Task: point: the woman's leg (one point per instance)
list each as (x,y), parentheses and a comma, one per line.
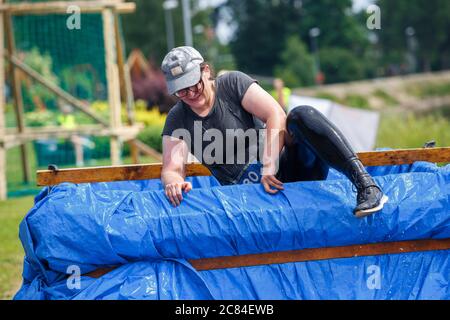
(317,144)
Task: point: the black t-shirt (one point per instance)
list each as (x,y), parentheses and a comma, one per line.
(226,157)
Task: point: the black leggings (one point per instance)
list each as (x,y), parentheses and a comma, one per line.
(317,146)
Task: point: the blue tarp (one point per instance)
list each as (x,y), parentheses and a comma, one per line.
(132,224)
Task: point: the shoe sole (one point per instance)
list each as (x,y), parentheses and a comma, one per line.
(363,213)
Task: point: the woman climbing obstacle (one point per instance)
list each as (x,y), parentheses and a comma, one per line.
(229,112)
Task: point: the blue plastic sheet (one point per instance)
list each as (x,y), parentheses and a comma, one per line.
(132,224)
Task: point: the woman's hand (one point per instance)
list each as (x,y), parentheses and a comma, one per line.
(269,181)
(174,191)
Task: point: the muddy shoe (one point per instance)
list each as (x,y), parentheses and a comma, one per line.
(370,199)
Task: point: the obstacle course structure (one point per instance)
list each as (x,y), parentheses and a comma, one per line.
(238,242)
(88,65)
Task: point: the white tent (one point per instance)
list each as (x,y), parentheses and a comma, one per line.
(359,126)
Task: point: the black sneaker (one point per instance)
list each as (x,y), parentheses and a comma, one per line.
(370,199)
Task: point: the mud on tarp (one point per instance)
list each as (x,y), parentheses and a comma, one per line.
(131,224)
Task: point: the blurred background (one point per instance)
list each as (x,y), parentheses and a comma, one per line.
(379,69)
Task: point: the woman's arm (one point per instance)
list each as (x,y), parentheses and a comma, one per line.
(175,152)
(262,105)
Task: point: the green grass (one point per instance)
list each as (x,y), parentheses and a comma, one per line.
(14,175)
(351,100)
(427,90)
(387,98)
(327,96)
(12,212)
(412,131)
(356,101)
(11,252)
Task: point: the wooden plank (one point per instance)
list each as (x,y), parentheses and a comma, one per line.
(141,172)
(3,186)
(13,139)
(112,173)
(67,97)
(17,92)
(60,7)
(406,156)
(147,150)
(315,254)
(126,92)
(112,77)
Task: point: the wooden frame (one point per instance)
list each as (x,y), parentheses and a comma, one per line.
(375,158)
(17,91)
(153,171)
(117,78)
(311,254)
(3,188)
(60,7)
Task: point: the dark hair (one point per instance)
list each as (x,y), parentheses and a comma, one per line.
(202,67)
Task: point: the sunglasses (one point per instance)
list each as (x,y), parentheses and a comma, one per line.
(194,89)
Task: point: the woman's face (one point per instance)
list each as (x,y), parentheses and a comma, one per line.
(199,96)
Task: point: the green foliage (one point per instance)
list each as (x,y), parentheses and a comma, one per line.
(340,65)
(11,252)
(297,65)
(430,20)
(328,96)
(40,118)
(41,63)
(356,101)
(152,136)
(350,100)
(387,98)
(426,90)
(145,28)
(80,84)
(264,27)
(412,131)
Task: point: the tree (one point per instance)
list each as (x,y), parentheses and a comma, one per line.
(297,65)
(264,27)
(145,29)
(430,22)
(340,65)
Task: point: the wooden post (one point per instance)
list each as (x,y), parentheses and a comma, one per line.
(112,76)
(125,84)
(17,91)
(3,190)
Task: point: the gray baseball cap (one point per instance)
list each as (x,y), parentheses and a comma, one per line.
(181,67)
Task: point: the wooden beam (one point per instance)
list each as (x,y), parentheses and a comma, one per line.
(405,156)
(315,254)
(12,139)
(112,173)
(126,92)
(17,92)
(60,7)
(67,97)
(112,77)
(3,185)
(153,171)
(139,145)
